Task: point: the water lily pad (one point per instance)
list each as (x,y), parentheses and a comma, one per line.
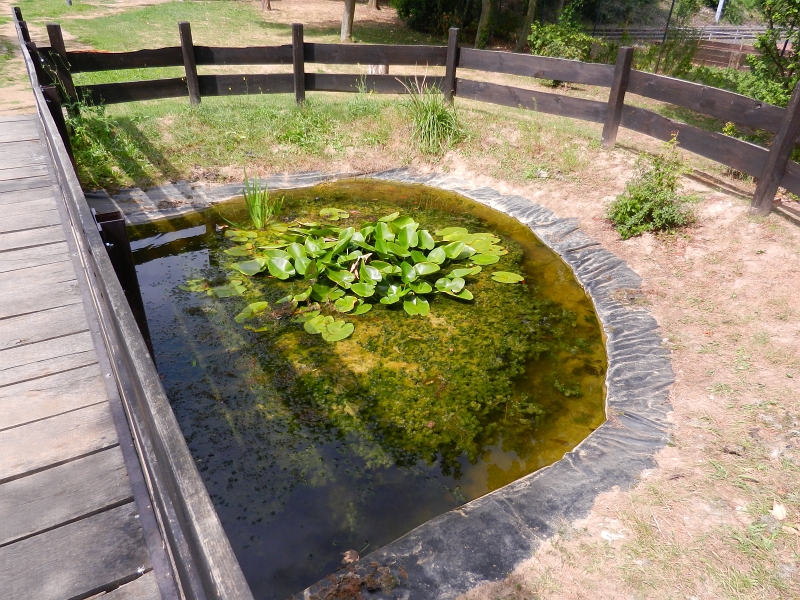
(384,267)
(232,288)
(408,237)
(397,249)
(251,310)
(426,241)
(281,268)
(388,218)
(390,299)
(420,287)
(318,324)
(485,259)
(437,255)
(334,214)
(342,278)
(450,231)
(369,274)
(409,273)
(276,253)
(336,293)
(320,291)
(453,249)
(506,277)
(295,250)
(450,285)
(345,304)
(336,332)
(464,272)
(416,305)
(245,250)
(365,290)
(251,267)
(425,268)
(305,316)
(418,256)
(239,238)
(301,265)
(361,308)
(302,296)
(313,247)
(382,232)
(194,285)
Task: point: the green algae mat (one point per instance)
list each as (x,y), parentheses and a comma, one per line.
(314,440)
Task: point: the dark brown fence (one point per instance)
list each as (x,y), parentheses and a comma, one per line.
(771,166)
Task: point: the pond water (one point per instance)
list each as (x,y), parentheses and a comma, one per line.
(310,448)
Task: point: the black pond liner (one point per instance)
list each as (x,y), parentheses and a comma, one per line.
(485,539)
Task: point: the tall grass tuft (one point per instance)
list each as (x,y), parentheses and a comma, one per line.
(260,207)
(434,121)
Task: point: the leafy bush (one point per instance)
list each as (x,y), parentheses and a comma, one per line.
(651,201)
(560,41)
(434,121)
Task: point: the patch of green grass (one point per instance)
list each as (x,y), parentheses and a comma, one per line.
(48,10)
(435,123)
(6,54)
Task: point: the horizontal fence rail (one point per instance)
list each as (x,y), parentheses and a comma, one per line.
(620,78)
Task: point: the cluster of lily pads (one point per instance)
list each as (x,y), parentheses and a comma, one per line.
(391,260)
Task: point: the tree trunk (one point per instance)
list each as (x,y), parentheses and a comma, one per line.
(347,20)
(525,31)
(559,10)
(484,23)
(266,5)
(374,4)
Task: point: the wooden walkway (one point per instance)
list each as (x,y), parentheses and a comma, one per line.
(75,517)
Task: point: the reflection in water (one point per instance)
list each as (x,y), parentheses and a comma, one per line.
(309,448)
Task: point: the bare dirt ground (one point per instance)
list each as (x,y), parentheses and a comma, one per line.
(719,514)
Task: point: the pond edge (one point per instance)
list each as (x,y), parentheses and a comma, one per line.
(487,538)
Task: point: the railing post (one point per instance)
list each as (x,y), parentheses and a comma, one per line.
(779,153)
(42,77)
(298,63)
(62,65)
(26,36)
(51,96)
(189,63)
(616,98)
(450,66)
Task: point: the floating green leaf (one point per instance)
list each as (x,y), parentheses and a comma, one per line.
(345,304)
(281,268)
(420,287)
(369,274)
(301,264)
(305,316)
(437,255)
(506,277)
(334,214)
(426,241)
(416,305)
(464,272)
(451,286)
(318,324)
(342,278)
(453,249)
(450,231)
(388,218)
(295,250)
(337,331)
(485,259)
(251,267)
(245,250)
(425,268)
(408,237)
(361,308)
(251,310)
(233,288)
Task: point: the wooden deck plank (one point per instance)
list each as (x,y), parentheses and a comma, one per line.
(15,131)
(49,357)
(14,118)
(90,555)
(32,220)
(25,183)
(7,198)
(52,395)
(21,154)
(31,170)
(30,448)
(37,205)
(27,239)
(43,325)
(144,588)
(32,299)
(65,493)
(34,257)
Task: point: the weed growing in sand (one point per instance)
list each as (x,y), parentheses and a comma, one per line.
(651,201)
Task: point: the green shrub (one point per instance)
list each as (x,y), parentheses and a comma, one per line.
(651,201)
(560,41)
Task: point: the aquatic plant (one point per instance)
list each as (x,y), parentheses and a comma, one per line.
(260,207)
(390,260)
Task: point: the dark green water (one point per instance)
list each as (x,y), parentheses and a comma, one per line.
(310,448)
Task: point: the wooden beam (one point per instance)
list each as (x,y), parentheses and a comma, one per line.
(62,65)
(779,153)
(189,63)
(616,98)
(23,26)
(298,63)
(54,105)
(450,68)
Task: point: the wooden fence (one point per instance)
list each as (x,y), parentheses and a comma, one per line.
(771,165)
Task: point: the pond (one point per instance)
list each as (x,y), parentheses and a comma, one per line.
(310,448)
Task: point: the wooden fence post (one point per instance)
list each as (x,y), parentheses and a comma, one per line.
(298,63)
(42,76)
(26,36)
(450,65)
(779,153)
(51,96)
(189,63)
(61,63)
(616,98)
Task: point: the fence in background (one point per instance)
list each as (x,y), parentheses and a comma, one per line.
(770,165)
(719,33)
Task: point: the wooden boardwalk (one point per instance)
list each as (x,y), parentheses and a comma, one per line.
(75,516)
